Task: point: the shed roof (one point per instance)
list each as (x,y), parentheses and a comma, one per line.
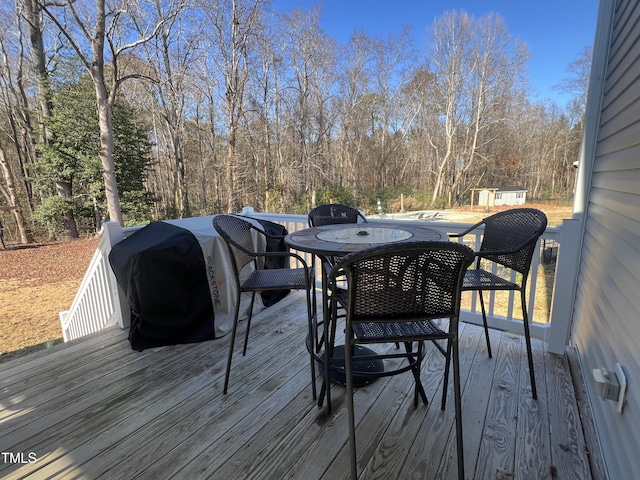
(502,189)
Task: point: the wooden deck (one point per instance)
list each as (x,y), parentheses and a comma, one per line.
(96,409)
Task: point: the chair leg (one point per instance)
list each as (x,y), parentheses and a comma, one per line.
(458,407)
(246,335)
(326,306)
(416,370)
(311,312)
(323,337)
(314,298)
(325,375)
(445,385)
(484,321)
(352,426)
(324,388)
(527,336)
(323,391)
(330,338)
(231,345)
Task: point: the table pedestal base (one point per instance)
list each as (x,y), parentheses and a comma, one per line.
(336,373)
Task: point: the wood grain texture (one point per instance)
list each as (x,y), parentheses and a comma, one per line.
(97,409)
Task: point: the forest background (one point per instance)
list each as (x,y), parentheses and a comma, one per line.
(144,110)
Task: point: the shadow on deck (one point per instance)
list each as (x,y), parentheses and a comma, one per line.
(95,408)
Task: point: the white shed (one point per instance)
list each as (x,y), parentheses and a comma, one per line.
(496,196)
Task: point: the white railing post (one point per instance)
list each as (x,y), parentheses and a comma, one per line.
(564,287)
(113,233)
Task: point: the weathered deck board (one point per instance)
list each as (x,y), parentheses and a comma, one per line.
(532,445)
(97,409)
(596,461)
(568,451)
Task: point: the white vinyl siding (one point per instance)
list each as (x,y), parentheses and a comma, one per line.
(606,320)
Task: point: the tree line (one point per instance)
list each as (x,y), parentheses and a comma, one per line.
(140,110)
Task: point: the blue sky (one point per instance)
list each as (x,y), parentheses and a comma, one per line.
(555,31)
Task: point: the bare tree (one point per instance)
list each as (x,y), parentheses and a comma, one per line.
(100,32)
(236,24)
(169,62)
(479,71)
(17,119)
(452,63)
(210,116)
(421,110)
(495,82)
(355,83)
(394,67)
(9,192)
(309,58)
(577,84)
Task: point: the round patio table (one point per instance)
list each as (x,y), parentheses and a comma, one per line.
(342,239)
(330,241)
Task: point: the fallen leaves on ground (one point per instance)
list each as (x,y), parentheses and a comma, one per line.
(38,281)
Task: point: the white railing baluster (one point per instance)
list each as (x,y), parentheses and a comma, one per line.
(99,302)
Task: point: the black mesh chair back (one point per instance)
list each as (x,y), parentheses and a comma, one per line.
(238,235)
(513,234)
(333,213)
(393,294)
(510,239)
(411,282)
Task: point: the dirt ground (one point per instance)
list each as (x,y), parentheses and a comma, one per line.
(37,282)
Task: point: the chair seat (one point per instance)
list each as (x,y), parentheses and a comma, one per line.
(479,279)
(277,279)
(397,332)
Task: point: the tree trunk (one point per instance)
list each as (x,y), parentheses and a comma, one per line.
(105,100)
(9,192)
(230,174)
(105,119)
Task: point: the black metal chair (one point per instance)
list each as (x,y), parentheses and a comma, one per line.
(237,233)
(332,213)
(509,240)
(394,292)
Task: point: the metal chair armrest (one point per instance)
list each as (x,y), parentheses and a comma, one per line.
(468,230)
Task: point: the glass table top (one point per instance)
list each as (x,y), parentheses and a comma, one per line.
(362,234)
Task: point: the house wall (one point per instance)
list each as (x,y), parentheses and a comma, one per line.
(606,316)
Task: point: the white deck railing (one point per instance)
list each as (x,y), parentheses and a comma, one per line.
(99,303)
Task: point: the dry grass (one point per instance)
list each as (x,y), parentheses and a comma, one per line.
(555,213)
(36,283)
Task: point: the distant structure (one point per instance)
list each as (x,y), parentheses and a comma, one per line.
(496,196)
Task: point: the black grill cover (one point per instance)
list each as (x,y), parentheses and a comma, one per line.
(162,271)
